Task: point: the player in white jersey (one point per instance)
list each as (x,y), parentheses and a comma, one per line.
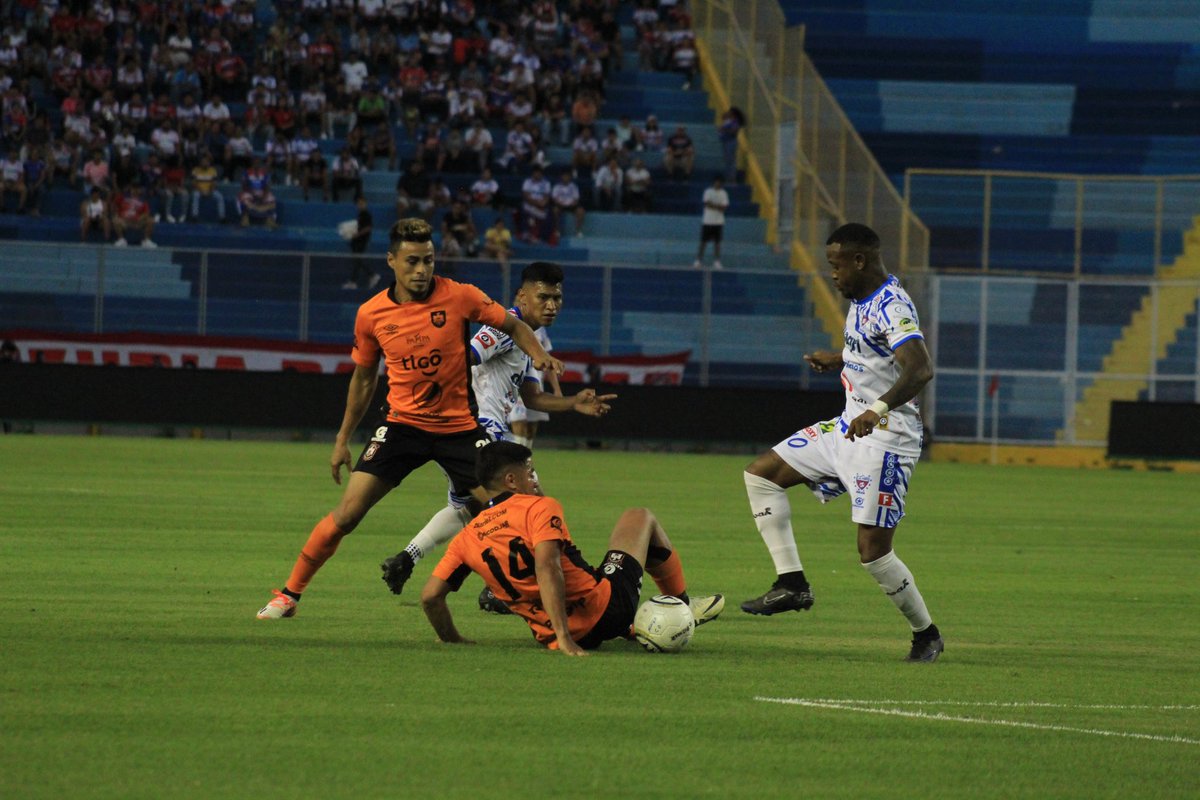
(868,452)
(500,375)
(522,421)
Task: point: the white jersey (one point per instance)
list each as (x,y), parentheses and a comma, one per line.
(498,376)
(875,327)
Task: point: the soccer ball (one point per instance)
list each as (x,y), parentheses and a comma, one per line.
(664,624)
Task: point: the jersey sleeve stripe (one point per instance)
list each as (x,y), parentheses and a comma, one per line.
(910,337)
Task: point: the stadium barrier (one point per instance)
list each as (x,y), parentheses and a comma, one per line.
(306,401)
(1151,430)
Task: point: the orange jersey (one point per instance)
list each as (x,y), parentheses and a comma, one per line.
(424,346)
(499,543)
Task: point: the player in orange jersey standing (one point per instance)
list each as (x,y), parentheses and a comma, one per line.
(522,549)
(419,327)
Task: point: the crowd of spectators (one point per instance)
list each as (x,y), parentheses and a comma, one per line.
(158,104)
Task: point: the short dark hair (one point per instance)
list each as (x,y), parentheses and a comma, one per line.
(495,457)
(859,237)
(410,229)
(542,272)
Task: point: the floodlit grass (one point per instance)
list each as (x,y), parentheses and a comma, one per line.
(130,571)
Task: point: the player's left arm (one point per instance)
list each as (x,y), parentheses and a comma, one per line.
(551,381)
(916,370)
(586,402)
(433,601)
(547,561)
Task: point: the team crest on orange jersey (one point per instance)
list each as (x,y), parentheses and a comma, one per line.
(438,318)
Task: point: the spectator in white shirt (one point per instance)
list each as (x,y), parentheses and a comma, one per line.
(607,181)
(566,201)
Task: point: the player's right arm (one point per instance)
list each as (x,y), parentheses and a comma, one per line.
(433,601)
(547,560)
(525,339)
(362,389)
(824,360)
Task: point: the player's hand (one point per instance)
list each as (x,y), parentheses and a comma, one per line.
(862,425)
(459,640)
(824,360)
(569,647)
(341,455)
(593,405)
(550,364)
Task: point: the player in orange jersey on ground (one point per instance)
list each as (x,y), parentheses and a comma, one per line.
(419,327)
(522,549)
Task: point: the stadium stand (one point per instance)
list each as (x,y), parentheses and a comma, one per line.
(63,59)
(1080,86)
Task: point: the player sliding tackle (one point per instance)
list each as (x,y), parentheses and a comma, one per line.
(521,547)
(869,451)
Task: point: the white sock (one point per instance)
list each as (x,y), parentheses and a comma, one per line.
(898,584)
(773,516)
(440,529)
(525,441)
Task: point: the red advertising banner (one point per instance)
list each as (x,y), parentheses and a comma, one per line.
(266,355)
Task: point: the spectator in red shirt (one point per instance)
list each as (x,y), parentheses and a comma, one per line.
(131,211)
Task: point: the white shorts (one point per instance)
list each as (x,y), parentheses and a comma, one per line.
(832,465)
(520,413)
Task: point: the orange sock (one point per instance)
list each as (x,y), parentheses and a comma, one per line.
(321,545)
(668,576)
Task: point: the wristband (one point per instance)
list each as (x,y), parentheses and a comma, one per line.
(879,407)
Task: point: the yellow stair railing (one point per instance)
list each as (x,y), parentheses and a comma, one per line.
(808,168)
(1151,330)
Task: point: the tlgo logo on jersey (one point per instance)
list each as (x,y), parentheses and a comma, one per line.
(427,364)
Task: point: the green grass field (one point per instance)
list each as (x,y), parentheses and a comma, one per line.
(130,571)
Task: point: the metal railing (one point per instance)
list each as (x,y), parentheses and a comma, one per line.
(1147,213)
(610,309)
(1038,360)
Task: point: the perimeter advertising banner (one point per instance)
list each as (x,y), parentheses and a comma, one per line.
(265,355)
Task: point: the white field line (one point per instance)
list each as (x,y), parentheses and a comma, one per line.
(939,717)
(993,704)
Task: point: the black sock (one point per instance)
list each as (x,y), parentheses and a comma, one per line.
(929,634)
(657,554)
(294,595)
(794,581)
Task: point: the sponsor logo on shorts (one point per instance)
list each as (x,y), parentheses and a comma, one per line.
(438,318)
(372,448)
(811,433)
(887,500)
(380,434)
(828,427)
(858,502)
